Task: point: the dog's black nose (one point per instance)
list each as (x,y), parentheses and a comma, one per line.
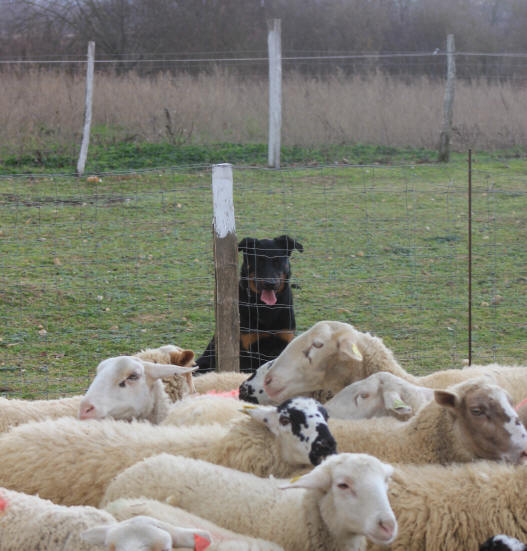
(270,284)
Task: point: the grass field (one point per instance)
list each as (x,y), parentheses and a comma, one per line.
(90,270)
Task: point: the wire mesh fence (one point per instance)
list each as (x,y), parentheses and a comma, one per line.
(104,266)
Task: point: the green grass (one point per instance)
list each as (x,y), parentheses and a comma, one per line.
(90,270)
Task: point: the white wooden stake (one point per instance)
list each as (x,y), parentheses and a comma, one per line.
(227,334)
(448,103)
(87,110)
(274,44)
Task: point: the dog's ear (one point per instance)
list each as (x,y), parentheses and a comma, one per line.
(247,244)
(289,244)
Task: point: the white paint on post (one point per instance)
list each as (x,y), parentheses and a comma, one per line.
(222,201)
(274,44)
(87,110)
(448,103)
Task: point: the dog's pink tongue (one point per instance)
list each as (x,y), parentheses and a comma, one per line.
(268,296)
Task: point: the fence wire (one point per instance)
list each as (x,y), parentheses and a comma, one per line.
(93,269)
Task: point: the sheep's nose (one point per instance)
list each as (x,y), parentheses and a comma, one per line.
(87,411)
(387,527)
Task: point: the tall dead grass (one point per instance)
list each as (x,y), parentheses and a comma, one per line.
(43,109)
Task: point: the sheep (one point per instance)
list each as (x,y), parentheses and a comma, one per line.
(29,522)
(222,539)
(129,387)
(471,420)
(503,543)
(379,395)
(332,508)
(204,410)
(252,389)
(456,507)
(15,412)
(71,461)
(333,354)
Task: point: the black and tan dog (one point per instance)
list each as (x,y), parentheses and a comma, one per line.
(267,318)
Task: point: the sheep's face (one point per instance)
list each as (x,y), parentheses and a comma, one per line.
(252,390)
(127,388)
(355,496)
(378,395)
(310,360)
(485,417)
(301,427)
(142,533)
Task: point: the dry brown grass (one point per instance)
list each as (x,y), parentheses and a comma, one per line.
(39,109)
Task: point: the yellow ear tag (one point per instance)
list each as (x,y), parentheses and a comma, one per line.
(293,480)
(249,406)
(399,404)
(356,351)
(245,409)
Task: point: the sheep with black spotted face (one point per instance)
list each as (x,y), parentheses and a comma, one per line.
(331,355)
(335,507)
(71,461)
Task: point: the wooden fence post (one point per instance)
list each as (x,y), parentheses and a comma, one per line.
(274,45)
(87,110)
(226,271)
(448,103)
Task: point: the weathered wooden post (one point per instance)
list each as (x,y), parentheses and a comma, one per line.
(274,45)
(226,271)
(448,103)
(87,110)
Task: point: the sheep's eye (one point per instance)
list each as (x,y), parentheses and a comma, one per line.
(476,411)
(284,420)
(364,396)
(122,384)
(132,377)
(343,486)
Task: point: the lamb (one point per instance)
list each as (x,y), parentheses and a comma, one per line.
(128,387)
(379,395)
(331,508)
(71,461)
(471,420)
(333,354)
(29,522)
(15,412)
(444,508)
(222,539)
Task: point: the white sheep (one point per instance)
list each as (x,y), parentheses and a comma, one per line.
(379,395)
(222,539)
(203,409)
(332,354)
(457,507)
(471,420)
(71,461)
(129,387)
(15,412)
(30,523)
(252,389)
(331,508)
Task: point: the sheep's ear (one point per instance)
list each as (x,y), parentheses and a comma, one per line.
(158,371)
(266,415)
(182,357)
(183,537)
(97,535)
(446,398)
(319,479)
(347,346)
(394,402)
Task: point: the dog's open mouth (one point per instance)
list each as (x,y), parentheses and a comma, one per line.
(268,296)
